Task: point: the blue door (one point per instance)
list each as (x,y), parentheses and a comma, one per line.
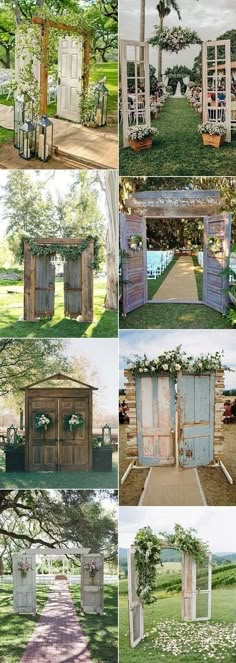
(195,400)
(155,400)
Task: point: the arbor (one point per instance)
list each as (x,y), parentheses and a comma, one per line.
(177,73)
(164,8)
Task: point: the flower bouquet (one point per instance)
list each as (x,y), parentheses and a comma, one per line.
(140,137)
(92,569)
(213,133)
(42,421)
(174,39)
(214,244)
(135,242)
(24,567)
(73,421)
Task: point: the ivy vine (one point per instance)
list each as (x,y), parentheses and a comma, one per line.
(72,251)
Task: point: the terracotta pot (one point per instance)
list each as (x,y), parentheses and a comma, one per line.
(214,141)
(143,144)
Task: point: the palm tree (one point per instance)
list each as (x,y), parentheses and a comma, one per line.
(164,8)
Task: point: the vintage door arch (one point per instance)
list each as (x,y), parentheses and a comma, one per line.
(135,53)
(39,280)
(174,205)
(175,422)
(216,77)
(56,448)
(194,586)
(24,588)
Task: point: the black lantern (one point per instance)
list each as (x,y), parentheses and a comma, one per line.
(101,99)
(44,138)
(106,434)
(27,140)
(23,107)
(12,435)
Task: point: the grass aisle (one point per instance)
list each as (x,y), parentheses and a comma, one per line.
(100,631)
(178,150)
(16,630)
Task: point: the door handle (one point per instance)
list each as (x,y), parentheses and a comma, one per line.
(59,81)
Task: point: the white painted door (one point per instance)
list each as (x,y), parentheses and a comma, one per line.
(92,585)
(136,624)
(70,71)
(24,585)
(202,590)
(155,397)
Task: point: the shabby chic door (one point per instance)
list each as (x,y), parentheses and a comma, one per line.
(24,584)
(202,590)
(73,287)
(42,446)
(44,287)
(136,623)
(70,76)
(134,263)
(155,403)
(195,408)
(216,229)
(74,445)
(92,583)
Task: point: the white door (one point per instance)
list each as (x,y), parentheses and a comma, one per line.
(136,624)
(24,583)
(202,590)
(92,582)
(70,71)
(23,57)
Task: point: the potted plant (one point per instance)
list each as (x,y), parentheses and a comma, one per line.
(140,138)
(102,456)
(213,133)
(15,456)
(155,108)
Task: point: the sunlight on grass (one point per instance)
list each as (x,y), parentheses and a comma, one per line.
(100,630)
(16,630)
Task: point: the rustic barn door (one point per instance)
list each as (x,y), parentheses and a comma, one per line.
(216,228)
(92,585)
(24,586)
(155,398)
(134,263)
(72,287)
(70,72)
(44,287)
(202,590)
(195,406)
(74,446)
(42,449)
(136,624)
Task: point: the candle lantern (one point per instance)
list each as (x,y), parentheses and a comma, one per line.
(23,107)
(106,434)
(12,435)
(101,100)
(44,138)
(27,140)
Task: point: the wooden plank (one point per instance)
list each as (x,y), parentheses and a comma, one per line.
(44,287)
(87,258)
(175,204)
(60,241)
(214,284)
(86,63)
(134,264)
(37,20)
(44,68)
(72,287)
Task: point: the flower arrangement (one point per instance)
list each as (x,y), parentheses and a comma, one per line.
(135,242)
(174,39)
(24,567)
(73,421)
(212,128)
(42,421)
(92,569)
(140,132)
(174,361)
(214,244)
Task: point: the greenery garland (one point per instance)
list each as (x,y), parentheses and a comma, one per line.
(73,421)
(147,555)
(174,361)
(135,242)
(174,39)
(72,251)
(214,244)
(42,421)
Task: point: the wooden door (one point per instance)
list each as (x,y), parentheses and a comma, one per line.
(24,588)
(155,399)
(134,263)
(187,587)
(202,590)
(44,287)
(136,624)
(92,586)
(70,71)
(72,287)
(42,451)
(214,284)
(74,446)
(195,406)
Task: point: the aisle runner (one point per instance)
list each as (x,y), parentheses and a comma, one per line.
(180,283)
(58,637)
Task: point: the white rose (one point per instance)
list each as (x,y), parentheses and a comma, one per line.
(140,370)
(200,364)
(153,368)
(177,367)
(147,363)
(165,367)
(145,370)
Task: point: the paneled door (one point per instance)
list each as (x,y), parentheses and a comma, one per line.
(74,446)
(134,263)
(42,449)
(195,405)
(73,287)
(24,586)
(155,398)
(70,72)
(44,287)
(214,283)
(92,601)
(136,624)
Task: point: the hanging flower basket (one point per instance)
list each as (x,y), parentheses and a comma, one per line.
(213,133)
(24,567)
(135,242)
(174,39)
(214,244)
(42,421)
(140,137)
(73,421)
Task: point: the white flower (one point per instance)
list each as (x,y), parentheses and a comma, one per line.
(177,367)
(145,370)
(147,363)
(165,367)
(140,370)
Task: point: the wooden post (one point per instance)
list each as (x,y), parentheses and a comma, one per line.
(86,63)
(29,283)
(44,69)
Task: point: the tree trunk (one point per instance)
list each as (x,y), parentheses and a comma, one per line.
(159,57)
(142,35)
(111,193)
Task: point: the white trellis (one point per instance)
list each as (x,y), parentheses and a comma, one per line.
(216,79)
(135,85)
(24,586)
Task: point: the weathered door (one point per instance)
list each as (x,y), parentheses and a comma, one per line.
(44,287)
(72,287)
(195,406)
(70,72)
(136,624)
(214,284)
(202,590)
(74,446)
(134,263)
(187,587)
(42,447)
(92,585)
(24,588)
(155,398)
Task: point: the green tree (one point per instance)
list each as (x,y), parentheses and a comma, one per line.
(197,65)
(7,36)
(177,74)
(164,8)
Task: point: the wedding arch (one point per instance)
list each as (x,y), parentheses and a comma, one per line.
(91,578)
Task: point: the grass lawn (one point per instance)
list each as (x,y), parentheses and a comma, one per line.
(11,480)
(100,630)
(11,309)
(178,149)
(16,630)
(185,634)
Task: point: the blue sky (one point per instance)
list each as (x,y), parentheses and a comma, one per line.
(196,341)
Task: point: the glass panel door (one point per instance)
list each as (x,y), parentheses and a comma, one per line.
(202,591)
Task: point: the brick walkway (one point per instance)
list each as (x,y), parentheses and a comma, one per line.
(180,282)
(58,637)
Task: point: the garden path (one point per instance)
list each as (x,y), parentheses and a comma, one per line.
(57,637)
(180,283)
(171,486)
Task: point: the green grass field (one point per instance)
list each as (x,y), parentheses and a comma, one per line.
(15,630)
(100,630)
(11,309)
(178,149)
